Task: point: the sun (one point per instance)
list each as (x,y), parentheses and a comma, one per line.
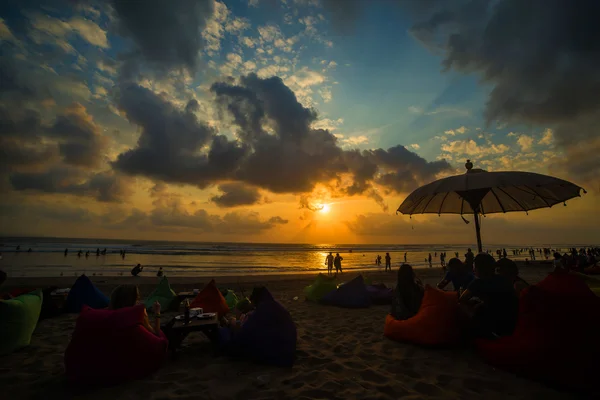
(325,208)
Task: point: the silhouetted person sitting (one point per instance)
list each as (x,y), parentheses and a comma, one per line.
(509,269)
(458,274)
(160,272)
(495,312)
(136,270)
(408,294)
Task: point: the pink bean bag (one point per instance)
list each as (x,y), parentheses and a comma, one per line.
(112,346)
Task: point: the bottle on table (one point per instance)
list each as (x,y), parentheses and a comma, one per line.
(186,311)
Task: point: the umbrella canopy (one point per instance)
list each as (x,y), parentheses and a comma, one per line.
(481,192)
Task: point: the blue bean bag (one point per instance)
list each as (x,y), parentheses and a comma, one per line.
(380,294)
(268,336)
(353,294)
(83,292)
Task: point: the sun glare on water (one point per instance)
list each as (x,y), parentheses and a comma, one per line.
(325,208)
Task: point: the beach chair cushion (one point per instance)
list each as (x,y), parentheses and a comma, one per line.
(113,346)
(268,336)
(18,319)
(436,323)
(352,294)
(211,300)
(231,299)
(380,294)
(556,338)
(163,294)
(83,292)
(322,285)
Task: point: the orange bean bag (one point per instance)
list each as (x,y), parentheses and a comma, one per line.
(556,338)
(435,324)
(211,300)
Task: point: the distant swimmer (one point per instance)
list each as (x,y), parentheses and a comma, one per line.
(79,253)
(136,270)
(104,252)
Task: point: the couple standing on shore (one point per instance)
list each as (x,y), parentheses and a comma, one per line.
(336,261)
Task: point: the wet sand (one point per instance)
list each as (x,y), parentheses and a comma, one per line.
(341,354)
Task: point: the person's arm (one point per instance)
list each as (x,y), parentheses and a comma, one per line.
(465,297)
(443,284)
(156,310)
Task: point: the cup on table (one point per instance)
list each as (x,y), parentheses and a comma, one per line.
(196,311)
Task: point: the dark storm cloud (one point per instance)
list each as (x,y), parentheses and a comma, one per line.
(403,170)
(79,138)
(276,148)
(294,157)
(166,33)
(236,194)
(169,147)
(540,57)
(104,186)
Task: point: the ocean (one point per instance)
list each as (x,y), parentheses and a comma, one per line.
(47,257)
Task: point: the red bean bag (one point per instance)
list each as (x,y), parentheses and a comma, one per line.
(592,270)
(556,338)
(435,324)
(211,300)
(112,346)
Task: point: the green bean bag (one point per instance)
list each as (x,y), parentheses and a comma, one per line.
(322,285)
(163,294)
(18,319)
(231,299)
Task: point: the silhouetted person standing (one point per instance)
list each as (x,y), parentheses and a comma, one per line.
(388,262)
(329,263)
(338,263)
(66,252)
(405,256)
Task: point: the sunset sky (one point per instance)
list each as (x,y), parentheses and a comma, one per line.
(291,120)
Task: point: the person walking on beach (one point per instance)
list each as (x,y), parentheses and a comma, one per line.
(329,263)
(388,262)
(338,263)
(469,257)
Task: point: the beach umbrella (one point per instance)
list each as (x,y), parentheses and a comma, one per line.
(479,192)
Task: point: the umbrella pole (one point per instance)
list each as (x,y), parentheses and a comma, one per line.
(478,231)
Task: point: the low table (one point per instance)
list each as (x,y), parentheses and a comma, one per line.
(178,331)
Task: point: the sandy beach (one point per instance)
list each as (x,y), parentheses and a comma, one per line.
(341,354)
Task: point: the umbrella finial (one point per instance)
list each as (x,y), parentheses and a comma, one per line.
(468,165)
